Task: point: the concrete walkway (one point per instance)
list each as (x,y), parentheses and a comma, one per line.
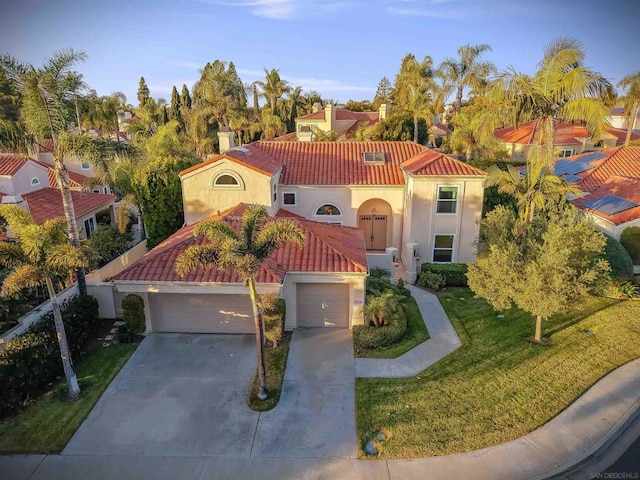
(590,423)
(443,341)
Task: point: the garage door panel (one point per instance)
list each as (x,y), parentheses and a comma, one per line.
(192,313)
(322,305)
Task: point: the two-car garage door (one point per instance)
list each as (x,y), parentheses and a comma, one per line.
(322,305)
(193,313)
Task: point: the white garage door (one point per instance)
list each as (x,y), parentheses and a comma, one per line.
(322,305)
(192,313)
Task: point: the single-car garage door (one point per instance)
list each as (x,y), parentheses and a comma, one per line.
(322,305)
(193,313)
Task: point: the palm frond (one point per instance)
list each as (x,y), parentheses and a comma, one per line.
(24,276)
(215,230)
(196,257)
(276,233)
(62,258)
(16,217)
(56,231)
(253,216)
(11,255)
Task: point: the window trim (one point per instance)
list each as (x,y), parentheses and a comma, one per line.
(238,178)
(82,166)
(456,201)
(274,194)
(453,246)
(295,199)
(319,206)
(88,232)
(35,181)
(563,152)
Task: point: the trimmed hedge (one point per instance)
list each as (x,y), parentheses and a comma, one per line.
(630,240)
(619,260)
(273,318)
(379,337)
(453,274)
(32,361)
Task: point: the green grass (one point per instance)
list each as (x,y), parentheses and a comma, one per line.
(497,386)
(47,425)
(416,334)
(275,361)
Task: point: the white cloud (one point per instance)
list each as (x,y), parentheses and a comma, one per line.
(284,9)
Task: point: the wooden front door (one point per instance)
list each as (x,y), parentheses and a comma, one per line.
(374,228)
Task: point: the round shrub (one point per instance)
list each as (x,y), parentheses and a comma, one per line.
(630,240)
(431,280)
(365,337)
(133,314)
(619,260)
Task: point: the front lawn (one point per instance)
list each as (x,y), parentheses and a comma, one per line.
(415,335)
(48,424)
(497,386)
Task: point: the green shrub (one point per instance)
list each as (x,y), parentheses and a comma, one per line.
(365,337)
(133,314)
(376,285)
(431,280)
(630,240)
(107,243)
(378,272)
(273,318)
(454,274)
(32,361)
(619,260)
(127,335)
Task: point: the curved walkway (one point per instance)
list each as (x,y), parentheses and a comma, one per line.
(443,340)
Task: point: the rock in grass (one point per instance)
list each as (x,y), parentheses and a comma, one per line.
(381,436)
(370,449)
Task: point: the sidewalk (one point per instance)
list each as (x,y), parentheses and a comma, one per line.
(443,340)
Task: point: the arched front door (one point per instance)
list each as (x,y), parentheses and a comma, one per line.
(374,219)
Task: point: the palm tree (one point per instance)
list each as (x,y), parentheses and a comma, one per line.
(467,70)
(561,90)
(411,92)
(631,100)
(381,308)
(243,253)
(273,87)
(47,92)
(534,189)
(40,255)
(272,124)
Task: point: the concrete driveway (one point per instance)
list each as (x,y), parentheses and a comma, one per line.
(179,395)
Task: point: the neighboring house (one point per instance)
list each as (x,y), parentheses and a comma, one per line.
(438,131)
(569,139)
(618,119)
(610,182)
(32,185)
(332,119)
(357,202)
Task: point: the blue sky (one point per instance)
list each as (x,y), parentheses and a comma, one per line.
(341,48)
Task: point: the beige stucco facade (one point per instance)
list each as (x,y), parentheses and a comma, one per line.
(29,178)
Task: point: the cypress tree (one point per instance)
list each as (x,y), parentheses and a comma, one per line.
(176,104)
(186,98)
(143,92)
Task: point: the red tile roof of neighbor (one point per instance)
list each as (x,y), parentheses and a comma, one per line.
(566,134)
(319,115)
(76,181)
(341,163)
(46,145)
(626,188)
(10,164)
(46,203)
(328,248)
(621,162)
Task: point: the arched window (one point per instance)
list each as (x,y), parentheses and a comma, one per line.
(328,209)
(34,182)
(228,180)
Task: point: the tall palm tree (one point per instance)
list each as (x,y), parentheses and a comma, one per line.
(467,70)
(272,124)
(243,253)
(561,90)
(631,100)
(273,87)
(40,255)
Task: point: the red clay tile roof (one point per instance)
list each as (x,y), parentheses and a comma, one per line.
(46,145)
(328,248)
(435,163)
(344,114)
(76,181)
(337,163)
(312,116)
(627,188)
(10,164)
(289,137)
(619,161)
(565,134)
(46,203)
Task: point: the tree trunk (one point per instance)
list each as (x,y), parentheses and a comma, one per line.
(459,99)
(78,114)
(632,121)
(538,336)
(257,318)
(67,364)
(415,128)
(62,177)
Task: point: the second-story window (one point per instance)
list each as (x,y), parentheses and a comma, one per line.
(447,199)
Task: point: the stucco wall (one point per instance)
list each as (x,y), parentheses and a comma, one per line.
(73,163)
(201,199)
(20,182)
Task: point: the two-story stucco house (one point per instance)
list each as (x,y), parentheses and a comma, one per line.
(339,120)
(360,203)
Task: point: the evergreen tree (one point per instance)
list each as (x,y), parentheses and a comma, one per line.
(185,99)
(165,115)
(383,92)
(143,92)
(176,105)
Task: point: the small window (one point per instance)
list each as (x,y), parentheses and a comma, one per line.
(85,166)
(289,198)
(328,209)
(443,249)
(226,180)
(567,153)
(447,199)
(34,182)
(598,144)
(374,158)
(96,190)
(275,192)
(89,227)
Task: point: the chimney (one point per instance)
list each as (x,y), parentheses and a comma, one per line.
(330,115)
(316,107)
(383,111)
(225,139)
